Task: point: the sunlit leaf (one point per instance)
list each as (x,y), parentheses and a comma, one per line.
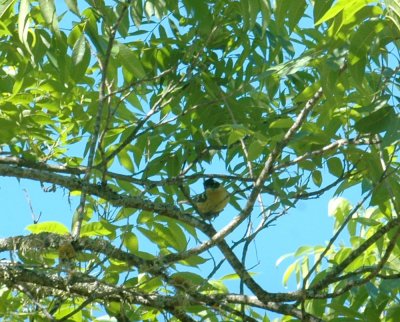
(23,23)
(48,227)
(95,229)
(338,207)
(340,6)
(78,52)
(131,242)
(289,271)
(4,6)
(73,6)
(48,10)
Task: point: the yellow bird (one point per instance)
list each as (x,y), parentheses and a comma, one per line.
(213,200)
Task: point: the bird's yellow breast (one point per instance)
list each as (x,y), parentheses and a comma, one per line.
(215,201)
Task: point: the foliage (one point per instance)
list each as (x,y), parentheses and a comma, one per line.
(126,104)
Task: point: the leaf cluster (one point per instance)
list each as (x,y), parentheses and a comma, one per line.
(127,105)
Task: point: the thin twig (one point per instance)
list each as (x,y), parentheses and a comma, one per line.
(95,136)
(34,219)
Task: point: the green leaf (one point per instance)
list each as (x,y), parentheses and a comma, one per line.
(149,9)
(339,207)
(193,261)
(296,10)
(282,258)
(316,307)
(173,165)
(48,11)
(339,6)
(7,131)
(73,6)
(281,123)
(230,277)
(90,27)
(125,212)
(234,276)
(172,235)
(153,237)
(352,228)
(130,241)
(136,12)
(155,166)
(342,254)
(187,278)
(256,149)
(126,161)
(320,8)
(65,308)
(289,68)
(335,166)
(317,177)
(393,8)
(148,284)
(237,133)
(96,229)
(303,250)
(48,227)
(289,271)
(219,285)
(249,9)
(124,25)
(113,308)
(377,121)
(79,49)
(23,23)
(360,44)
(130,60)
(346,314)
(4,6)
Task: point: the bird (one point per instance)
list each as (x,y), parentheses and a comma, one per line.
(213,200)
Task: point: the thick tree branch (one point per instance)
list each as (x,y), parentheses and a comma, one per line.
(272,306)
(88,287)
(72,183)
(94,290)
(46,241)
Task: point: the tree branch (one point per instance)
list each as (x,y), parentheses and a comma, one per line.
(93,141)
(331,276)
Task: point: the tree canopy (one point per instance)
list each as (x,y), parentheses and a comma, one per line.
(125,106)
